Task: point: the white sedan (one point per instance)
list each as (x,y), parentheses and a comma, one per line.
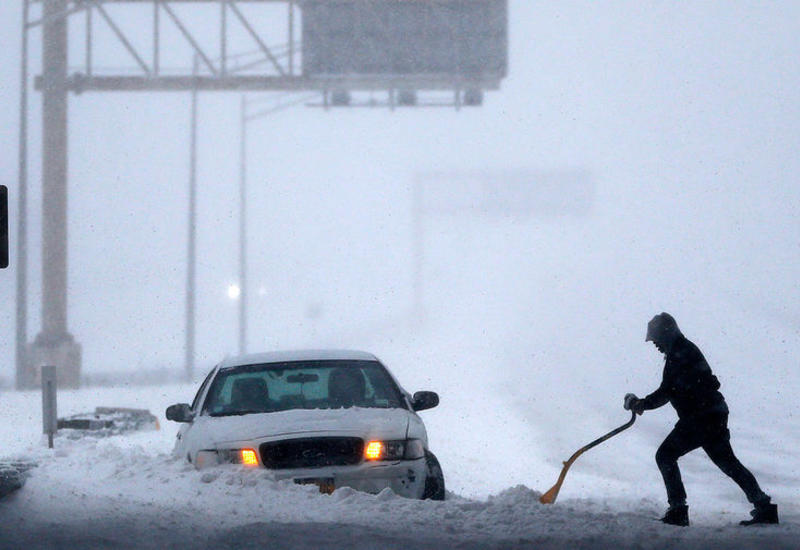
(330,418)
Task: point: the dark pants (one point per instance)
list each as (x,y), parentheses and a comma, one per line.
(711,433)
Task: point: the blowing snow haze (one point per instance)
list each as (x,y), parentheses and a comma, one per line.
(639,157)
(684,119)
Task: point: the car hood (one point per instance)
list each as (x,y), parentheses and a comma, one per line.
(356,422)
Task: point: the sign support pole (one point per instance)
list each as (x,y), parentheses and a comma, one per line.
(49,405)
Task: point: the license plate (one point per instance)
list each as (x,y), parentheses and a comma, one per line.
(325,484)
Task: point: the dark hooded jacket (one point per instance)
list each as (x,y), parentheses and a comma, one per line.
(688,384)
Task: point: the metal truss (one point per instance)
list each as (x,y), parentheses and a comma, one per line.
(264,68)
(210,66)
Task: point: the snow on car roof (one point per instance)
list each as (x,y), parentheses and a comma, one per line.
(298,355)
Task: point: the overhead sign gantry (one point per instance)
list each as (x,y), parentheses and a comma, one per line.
(401,47)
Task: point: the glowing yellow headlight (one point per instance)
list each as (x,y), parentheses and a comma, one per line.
(374,450)
(249,457)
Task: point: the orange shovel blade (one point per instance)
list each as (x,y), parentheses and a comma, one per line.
(550,496)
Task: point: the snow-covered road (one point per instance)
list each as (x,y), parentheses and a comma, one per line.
(103,494)
(129,492)
(98,495)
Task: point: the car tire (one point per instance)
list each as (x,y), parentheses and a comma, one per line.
(434,480)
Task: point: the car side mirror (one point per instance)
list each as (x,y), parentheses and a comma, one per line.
(423,400)
(181,412)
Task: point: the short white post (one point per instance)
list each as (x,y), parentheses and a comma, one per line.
(49,408)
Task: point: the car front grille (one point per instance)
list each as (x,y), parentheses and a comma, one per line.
(311,452)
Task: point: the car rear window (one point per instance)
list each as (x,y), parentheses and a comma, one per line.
(272,387)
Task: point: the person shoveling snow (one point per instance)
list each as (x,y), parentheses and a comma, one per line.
(693,390)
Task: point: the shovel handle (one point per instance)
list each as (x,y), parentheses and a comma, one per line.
(550,496)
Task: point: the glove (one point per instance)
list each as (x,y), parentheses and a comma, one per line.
(633,403)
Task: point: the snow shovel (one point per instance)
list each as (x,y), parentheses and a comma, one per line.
(550,496)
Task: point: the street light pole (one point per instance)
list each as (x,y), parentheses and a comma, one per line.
(418,243)
(22,370)
(244,119)
(191,252)
(243,227)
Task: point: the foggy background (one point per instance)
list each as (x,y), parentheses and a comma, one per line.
(684,119)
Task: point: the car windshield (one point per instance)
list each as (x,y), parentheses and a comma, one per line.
(283,386)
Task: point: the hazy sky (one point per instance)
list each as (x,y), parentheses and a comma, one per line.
(686,116)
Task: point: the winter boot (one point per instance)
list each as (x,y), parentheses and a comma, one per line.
(764,513)
(677,515)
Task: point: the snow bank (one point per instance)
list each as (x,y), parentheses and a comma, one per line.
(129,491)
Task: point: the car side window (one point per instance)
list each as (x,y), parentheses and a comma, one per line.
(196,401)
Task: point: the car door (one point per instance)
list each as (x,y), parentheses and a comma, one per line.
(190,432)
